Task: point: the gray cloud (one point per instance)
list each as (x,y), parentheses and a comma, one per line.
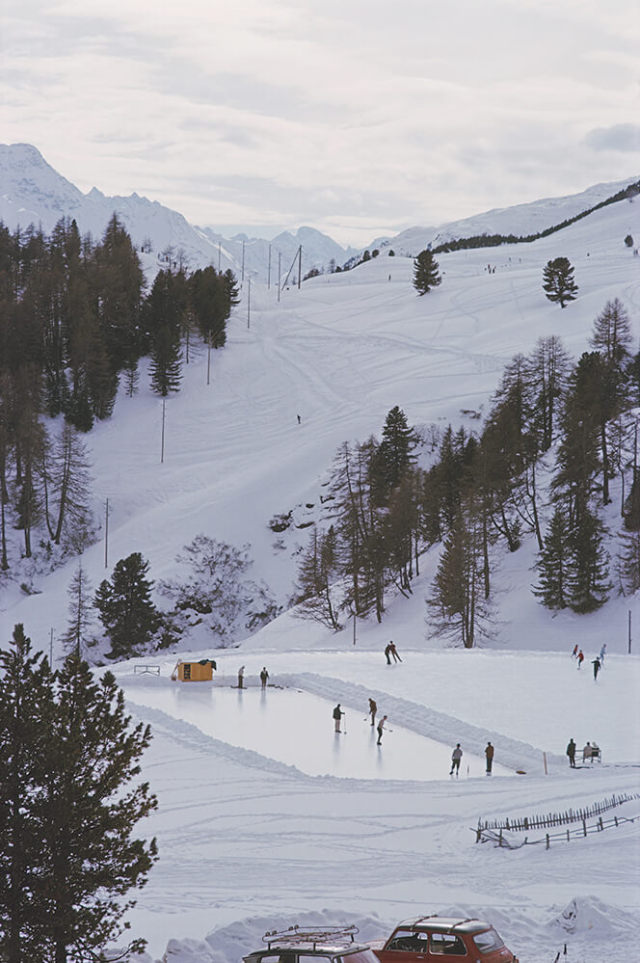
(622,137)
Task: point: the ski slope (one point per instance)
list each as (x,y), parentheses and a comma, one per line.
(251,837)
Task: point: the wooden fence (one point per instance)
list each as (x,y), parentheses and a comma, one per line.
(499,839)
(551,820)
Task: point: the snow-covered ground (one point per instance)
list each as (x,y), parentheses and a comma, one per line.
(254,835)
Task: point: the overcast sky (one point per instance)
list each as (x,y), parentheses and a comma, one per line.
(357,117)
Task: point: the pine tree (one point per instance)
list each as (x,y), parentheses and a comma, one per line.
(166,361)
(25,700)
(89,811)
(68,502)
(559,284)
(126,610)
(588,583)
(578,459)
(548,370)
(426,274)
(392,458)
(458,607)
(80,609)
(316,574)
(553,563)
(118,281)
(628,562)
(612,339)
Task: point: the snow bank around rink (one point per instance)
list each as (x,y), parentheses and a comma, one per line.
(591,931)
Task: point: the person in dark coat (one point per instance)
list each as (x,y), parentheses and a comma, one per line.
(264,677)
(373,708)
(571,752)
(380,730)
(596,667)
(489,756)
(394,652)
(387,652)
(337,716)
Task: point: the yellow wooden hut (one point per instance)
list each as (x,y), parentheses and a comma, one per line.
(201,671)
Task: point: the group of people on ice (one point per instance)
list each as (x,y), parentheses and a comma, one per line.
(264,677)
(597,663)
(456,757)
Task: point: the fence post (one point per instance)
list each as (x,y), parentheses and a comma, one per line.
(544,758)
(547,846)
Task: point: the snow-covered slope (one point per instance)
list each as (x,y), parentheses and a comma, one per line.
(520,220)
(247,839)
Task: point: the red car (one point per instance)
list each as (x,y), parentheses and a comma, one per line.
(438,938)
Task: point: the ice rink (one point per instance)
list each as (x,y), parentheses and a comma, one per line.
(297,728)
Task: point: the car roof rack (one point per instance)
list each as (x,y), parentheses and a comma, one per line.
(317,935)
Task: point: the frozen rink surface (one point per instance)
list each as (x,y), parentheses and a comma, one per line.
(296,728)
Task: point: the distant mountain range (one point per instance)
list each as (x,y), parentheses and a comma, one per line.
(33,193)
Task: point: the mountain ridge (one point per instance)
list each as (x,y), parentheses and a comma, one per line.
(34,193)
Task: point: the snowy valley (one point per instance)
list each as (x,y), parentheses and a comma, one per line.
(266,817)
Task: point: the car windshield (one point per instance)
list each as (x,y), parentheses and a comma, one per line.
(487,941)
(408,940)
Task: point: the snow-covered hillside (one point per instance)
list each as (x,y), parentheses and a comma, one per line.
(248,839)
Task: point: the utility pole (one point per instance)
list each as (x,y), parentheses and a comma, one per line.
(242,282)
(249,305)
(299,265)
(269,271)
(629,643)
(279,272)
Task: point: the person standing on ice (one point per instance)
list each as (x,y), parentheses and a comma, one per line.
(580,658)
(596,667)
(337,716)
(586,752)
(394,652)
(575,651)
(456,756)
(489,751)
(373,708)
(241,677)
(602,653)
(264,677)
(387,652)
(571,752)
(380,730)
